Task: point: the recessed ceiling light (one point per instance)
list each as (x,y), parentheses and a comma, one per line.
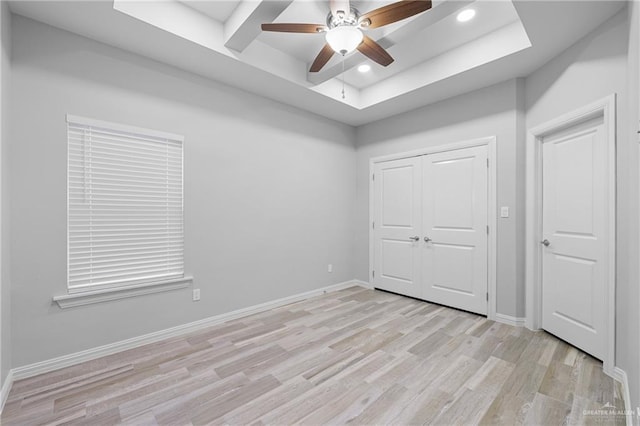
(364,68)
(466,15)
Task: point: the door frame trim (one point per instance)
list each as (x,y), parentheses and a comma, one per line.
(606,108)
(492,213)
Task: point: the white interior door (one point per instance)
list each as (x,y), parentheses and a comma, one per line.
(397,226)
(575,216)
(454,204)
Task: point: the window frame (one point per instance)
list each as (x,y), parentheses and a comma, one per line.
(92,293)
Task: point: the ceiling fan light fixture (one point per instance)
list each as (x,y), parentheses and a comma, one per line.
(364,68)
(344,39)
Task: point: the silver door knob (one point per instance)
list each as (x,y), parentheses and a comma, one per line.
(414,238)
(427,239)
(545,242)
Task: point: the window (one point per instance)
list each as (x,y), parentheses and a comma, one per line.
(125,206)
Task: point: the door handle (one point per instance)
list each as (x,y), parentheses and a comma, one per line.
(414,238)
(545,242)
(427,239)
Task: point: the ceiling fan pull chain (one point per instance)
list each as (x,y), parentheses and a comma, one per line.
(342,76)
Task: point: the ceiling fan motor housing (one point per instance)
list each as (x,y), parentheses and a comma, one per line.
(343,19)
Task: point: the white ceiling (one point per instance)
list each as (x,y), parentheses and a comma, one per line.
(220,10)
(435,56)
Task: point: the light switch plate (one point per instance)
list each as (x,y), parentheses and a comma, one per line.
(504,211)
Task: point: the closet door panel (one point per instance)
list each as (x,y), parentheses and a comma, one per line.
(454,206)
(397,223)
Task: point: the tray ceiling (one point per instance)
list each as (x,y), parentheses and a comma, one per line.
(435,55)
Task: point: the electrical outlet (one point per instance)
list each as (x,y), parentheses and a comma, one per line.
(196,294)
(330,268)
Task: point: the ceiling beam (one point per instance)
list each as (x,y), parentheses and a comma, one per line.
(243,26)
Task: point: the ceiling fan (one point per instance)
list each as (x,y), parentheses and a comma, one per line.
(344,29)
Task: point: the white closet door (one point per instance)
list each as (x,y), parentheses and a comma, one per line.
(397,222)
(574,216)
(454,250)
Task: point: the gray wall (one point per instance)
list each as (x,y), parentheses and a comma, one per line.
(632,339)
(594,68)
(5,284)
(521,168)
(268,191)
(492,111)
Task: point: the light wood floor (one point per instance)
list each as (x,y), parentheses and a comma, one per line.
(353,356)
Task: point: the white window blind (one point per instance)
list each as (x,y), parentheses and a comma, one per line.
(125,205)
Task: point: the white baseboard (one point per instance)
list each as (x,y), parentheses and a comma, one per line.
(93,353)
(6,387)
(621,376)
(363,284)
(508,319)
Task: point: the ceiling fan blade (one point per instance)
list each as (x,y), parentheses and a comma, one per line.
(395,12)
(294,28)
(337,5)
(323,57)
(374,51)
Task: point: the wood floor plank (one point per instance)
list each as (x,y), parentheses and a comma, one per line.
(395,371)
(179,407)
(344,407)
(193,386)
(457,374)
(106,417)
(401,345)
(558,374)
(430,344)
(82,385)
(591,383)
(506,410)
(424,408)
(540,349)
(491,377)
(218,407)
(459,324)
(348,360)
(305,404)
(236,366)
(479,328)
(354,356)
(524,381)
(268,402)
(476,396)
(301,364)
(511,348)
(548,411)
(115,395)
(385,408)
(467,409)
(144,418)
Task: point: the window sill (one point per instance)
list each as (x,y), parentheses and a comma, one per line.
(105,295)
